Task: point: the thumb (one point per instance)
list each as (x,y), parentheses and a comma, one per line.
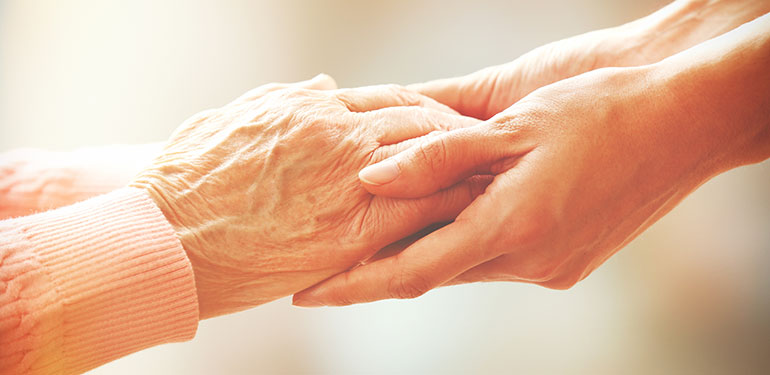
(433,164)
(426,264)
(473,95)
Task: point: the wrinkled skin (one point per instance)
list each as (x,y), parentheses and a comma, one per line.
(581,167)
(264,196)
(557,207)
(52,179)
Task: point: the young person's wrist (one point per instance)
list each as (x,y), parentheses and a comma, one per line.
(716,96)
(679,26)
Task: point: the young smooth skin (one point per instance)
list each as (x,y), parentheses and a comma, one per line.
(581,168)
(672,29)
(264,196)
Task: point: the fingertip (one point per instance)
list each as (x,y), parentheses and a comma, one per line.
(301,300)
(302,303)
(380,173)
(386,182)
(310,296)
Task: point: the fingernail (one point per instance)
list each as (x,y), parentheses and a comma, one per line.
(380,173)
(306,302)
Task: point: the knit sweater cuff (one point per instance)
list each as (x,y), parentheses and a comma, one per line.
(121,277)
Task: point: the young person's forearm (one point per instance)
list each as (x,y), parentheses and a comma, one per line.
(679,26)
(721,96)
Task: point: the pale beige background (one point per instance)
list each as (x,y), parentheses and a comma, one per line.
(691,295)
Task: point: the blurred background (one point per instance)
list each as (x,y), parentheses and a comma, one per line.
(691,295)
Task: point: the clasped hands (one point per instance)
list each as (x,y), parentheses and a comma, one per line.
(264,195)
(535,171)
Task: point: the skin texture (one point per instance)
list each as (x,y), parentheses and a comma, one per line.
(672,29)
(264,196)
(581,168)
(483,94)
(33,180)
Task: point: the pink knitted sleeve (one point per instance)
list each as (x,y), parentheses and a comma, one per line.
(89,283)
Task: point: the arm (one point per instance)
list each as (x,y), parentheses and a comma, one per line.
(89,283)
(34,180)
(581,168)
(245,204)
(264,196)
(672,29)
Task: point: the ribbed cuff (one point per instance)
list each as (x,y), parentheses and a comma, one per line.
(120,273)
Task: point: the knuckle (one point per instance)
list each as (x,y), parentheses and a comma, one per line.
(404,95)
(432,155)
(344,98)
(294,92)
(515,125)
(477,185)
(508,127)
(540,272)
(408,285)
(393,88)
(340,298)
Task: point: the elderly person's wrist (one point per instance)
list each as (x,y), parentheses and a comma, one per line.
(165,193)
(263,192)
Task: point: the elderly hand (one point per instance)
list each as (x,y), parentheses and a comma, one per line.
(33,180)
(581,168)
(264,196)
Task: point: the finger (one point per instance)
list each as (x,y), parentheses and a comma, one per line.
(426,264)
(390,220)
(403,217)
(539,267)
(498,269)
(399,246)
(396,124)
(319,82)
(372,98)
(503,268)
(435,164)
(479,94)
(387,150)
